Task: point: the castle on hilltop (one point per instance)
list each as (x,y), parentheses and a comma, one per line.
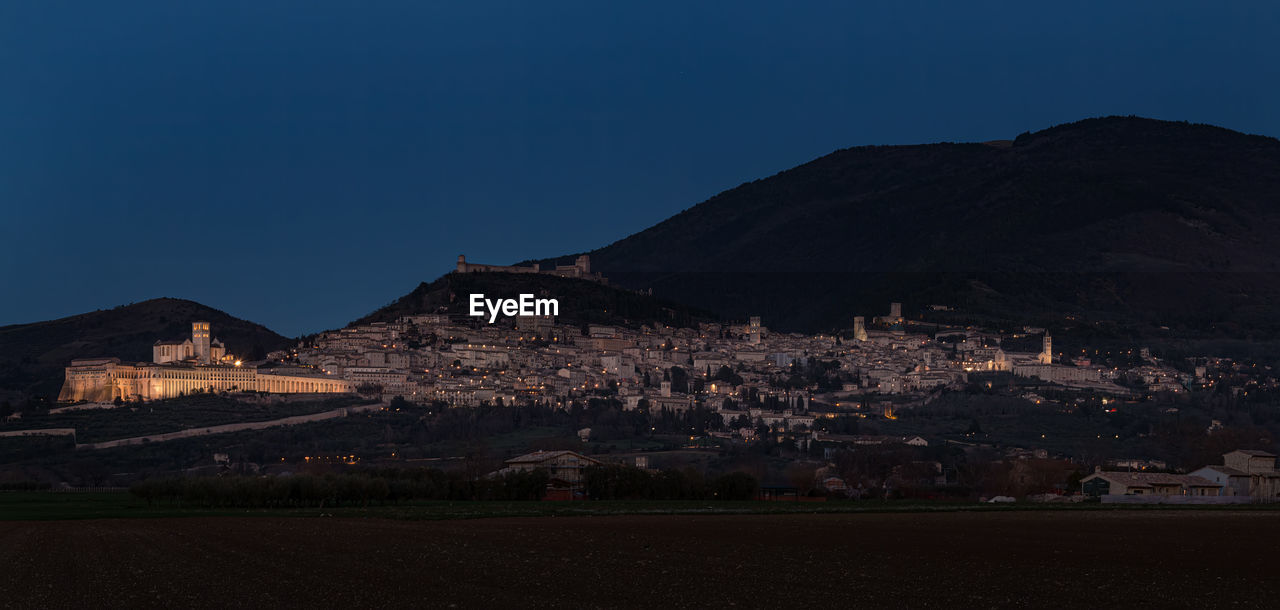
(580,269)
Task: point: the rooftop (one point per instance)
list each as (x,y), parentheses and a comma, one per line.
(542,456)
(1149,479)
(1253,453)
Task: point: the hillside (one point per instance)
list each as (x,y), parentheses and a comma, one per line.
(581,301)
(1150,222)
(32,356)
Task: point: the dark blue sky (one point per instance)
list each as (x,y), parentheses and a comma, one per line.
(300,164)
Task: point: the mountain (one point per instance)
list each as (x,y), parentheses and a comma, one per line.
(581,301)
(32,356)
(1154,223)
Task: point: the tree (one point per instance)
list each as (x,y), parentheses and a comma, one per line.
(679,380)
(727,375)
(736,486)
(801,476)
(1073,481)
(398,402)
(88,471)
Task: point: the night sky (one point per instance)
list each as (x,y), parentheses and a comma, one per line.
(300,164)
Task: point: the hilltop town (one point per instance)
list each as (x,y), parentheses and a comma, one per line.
(952,397)
(746,373)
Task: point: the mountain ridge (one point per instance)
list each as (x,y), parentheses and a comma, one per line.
(1099,200)
(861,176)
(1112,216)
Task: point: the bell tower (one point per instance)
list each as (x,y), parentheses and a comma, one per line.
(1046,354)
(200,341)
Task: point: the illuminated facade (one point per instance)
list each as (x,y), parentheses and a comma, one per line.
(106,379)
(1046,354)
(199,348)
(200,341)
(198,364)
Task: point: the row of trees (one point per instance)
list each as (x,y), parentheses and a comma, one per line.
(394,486)
(606,417)
(615,482)
(384,486)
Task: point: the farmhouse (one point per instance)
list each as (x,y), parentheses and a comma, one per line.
(1148,483)
(1246,472)
(564,466)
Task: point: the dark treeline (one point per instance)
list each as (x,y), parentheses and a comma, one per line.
(25,486)
(606,417)
(382,486)
(615,482)
(394,486)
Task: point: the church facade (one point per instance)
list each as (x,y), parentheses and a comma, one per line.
(198,348)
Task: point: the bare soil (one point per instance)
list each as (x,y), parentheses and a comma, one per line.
(942,560)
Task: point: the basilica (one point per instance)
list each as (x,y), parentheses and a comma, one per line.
(197,364)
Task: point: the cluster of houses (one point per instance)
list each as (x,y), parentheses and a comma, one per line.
(537,359)
(454,360)
(534,359)
(1244,476)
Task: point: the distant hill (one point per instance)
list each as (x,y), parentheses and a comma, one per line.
(32,356)
(1148,222)
(581,301)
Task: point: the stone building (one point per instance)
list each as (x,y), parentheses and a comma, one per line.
(1246,472)
(106,379)
(567,466)
(1148,483)
(198,364)
(580,269)
(198,348)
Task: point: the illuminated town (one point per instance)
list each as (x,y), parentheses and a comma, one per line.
(640,305)
(759,385)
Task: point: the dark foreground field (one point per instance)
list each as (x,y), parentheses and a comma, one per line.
(985,559)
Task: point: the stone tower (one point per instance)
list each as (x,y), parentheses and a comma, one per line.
(1046,354)
(859,328)
(200,341)
(895,312)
